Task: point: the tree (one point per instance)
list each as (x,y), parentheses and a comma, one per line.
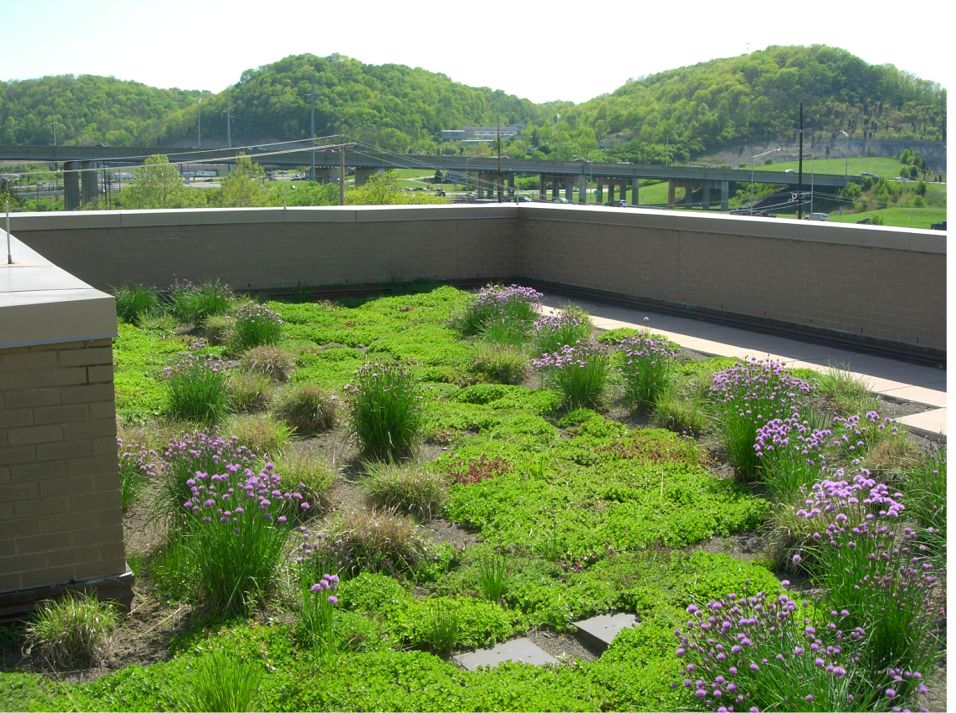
(243,188)
(157,184)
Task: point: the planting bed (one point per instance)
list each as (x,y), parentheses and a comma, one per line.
(326,502)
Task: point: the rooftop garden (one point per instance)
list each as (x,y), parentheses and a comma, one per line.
(326,502)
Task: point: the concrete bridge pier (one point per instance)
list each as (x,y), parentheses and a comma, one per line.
(90,188)
(599,195)
(582,189)
(569,189)
(671,193)
(510,182)
(705,195)
(71,185)
(363,174)
(635,184)
(542,187)
(724,195)
(326,175)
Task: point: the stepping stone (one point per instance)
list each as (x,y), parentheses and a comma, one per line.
(522,650)
(598,632)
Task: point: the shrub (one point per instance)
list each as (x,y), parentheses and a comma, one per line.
(135,303)
(248,391)
(406,488)
(384,409)
(255,325)
(194,304)
(579,372)
(137,466)
(552,332)
(196,389)
(647,370)
(219,681)
(235,533)
(367,540)
(513,306)
(500,363)
(870,564)
(311,476)
(258,432)
(71,631)
(748,395)
(307,408)
(269,360)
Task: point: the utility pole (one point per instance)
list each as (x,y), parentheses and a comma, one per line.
(199,132)
(312,130)
(800,170)
(342,174)
(229,125)
(498,182)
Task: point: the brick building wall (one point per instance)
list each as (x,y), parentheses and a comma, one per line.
(59,487)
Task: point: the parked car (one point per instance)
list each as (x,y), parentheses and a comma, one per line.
(941,225)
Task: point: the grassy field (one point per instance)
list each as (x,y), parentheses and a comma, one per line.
(899,217)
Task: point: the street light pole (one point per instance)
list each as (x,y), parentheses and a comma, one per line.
(199,135)
(312,130)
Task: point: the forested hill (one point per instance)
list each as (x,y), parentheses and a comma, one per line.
(84,110)
(686,111)
(390,105)
(672,115)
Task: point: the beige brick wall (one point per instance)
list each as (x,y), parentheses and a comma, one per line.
(60,515)
(879,283)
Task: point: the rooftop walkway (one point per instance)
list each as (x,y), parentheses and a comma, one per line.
(897,380)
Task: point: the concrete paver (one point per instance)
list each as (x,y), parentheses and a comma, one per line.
(599,631)
(522,650)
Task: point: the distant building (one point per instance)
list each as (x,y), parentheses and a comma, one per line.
(482,133)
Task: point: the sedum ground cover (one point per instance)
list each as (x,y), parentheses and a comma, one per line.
(556,513)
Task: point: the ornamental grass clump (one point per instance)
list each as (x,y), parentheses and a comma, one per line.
(254,326)
(219,681)
(868,561)
(307,408)
(405,487)
(647,368)
(384,410)
(365,540)
(269,360)
(196,389)
(579,372)
(551,332)
(511,305)
(746,396)
(136,303)
(790,455)
(500,363)
(764,652)
(194,304)
(237,525)
(72,631)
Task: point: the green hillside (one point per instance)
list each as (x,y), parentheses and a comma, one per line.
(85,110)
(670,116)
(683,112)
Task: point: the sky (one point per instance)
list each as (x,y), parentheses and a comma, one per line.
(537,50)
